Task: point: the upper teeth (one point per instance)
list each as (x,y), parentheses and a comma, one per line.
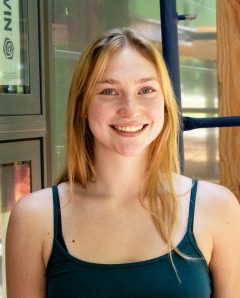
(129,128)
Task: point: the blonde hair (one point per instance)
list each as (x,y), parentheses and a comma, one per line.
(163,158)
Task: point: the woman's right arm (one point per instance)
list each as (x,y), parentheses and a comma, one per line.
(25,269)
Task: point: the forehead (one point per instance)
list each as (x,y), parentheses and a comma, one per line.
(129,60)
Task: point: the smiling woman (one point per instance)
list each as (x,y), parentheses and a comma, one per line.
(126,223)
(129,100)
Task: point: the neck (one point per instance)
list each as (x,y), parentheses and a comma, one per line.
(119,178)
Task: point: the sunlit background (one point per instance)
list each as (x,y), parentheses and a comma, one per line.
(197,46)
(74,23)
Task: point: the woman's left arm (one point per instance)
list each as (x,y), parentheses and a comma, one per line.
(225,259)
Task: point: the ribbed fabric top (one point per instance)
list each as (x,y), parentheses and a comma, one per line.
(70,277)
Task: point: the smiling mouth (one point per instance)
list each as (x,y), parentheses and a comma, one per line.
(129,129)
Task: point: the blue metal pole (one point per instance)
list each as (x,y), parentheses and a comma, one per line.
(169,19)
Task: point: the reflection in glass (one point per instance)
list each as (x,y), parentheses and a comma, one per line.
(201,151)
(14,59)
(197,46)
(75,24)
(15,182)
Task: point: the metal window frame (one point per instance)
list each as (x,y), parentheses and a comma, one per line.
(28,150)
(20,126)
(27,104)
(169,20)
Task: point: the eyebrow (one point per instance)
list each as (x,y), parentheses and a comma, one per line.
(113,81)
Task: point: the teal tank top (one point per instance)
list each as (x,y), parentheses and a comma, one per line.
(69,277)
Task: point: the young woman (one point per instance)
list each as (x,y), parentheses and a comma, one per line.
(122,221)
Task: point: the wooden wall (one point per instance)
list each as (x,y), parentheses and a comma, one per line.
(228,57)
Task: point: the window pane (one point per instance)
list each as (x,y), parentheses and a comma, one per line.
(75,24)
(15,182)
(14,56)
(201,152)
(197,45)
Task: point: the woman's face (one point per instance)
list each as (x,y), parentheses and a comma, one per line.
(126,112)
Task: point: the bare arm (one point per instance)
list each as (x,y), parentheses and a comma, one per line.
(225,260)
(25,268)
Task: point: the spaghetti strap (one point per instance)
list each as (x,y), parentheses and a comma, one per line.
(192,206)
(56,207)
(57,217)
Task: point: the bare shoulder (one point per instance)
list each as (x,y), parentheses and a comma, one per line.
(25,269)
(222,212)
(215,204)
(31,215)
(211,194)
(219,207)
(217,196)
(33,205)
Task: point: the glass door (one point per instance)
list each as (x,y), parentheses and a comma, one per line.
(198,71)
(87,19)
(20,173)
(19,58)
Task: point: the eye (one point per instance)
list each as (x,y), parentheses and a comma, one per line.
(146,90)
(109,91)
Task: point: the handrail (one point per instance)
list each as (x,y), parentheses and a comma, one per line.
(190,123)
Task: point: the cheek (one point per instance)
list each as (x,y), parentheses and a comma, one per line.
(157,112)
(94,113)
(97,111)
(98,116)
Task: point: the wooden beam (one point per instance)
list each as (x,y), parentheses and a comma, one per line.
(228,57)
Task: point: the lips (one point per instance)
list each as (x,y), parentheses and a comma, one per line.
(128,130)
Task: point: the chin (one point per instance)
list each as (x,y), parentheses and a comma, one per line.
(128,154)
(131,152)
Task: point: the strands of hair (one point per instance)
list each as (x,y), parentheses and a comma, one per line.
(163,158)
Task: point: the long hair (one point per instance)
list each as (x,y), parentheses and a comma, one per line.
(163,154)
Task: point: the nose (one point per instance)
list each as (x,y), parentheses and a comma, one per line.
(129,108)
